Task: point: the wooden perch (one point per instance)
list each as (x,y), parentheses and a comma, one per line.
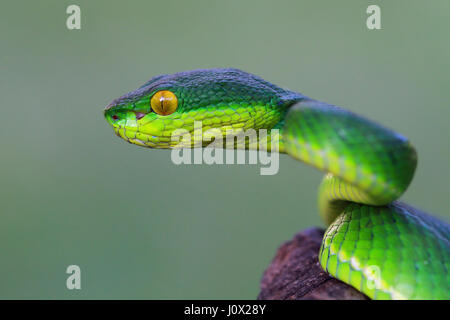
(295,273)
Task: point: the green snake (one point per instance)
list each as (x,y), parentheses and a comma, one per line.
(383,248)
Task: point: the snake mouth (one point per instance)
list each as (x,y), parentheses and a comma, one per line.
(135,136)
(138,127)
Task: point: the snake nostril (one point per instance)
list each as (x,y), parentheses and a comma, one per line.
(115,117)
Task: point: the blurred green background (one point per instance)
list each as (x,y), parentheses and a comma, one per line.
(139,226)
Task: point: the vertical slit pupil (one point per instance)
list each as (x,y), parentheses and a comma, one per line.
(161,100)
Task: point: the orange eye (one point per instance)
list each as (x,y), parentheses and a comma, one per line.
(164,102)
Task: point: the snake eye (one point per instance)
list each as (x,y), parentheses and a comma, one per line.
(164,102)
(115,117)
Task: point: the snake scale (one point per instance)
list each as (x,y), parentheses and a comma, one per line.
(381,247)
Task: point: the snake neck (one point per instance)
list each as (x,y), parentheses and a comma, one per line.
(366,162)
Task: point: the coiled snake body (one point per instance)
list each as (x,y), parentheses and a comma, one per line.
(383,248)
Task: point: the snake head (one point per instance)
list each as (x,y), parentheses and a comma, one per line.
(224,99)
